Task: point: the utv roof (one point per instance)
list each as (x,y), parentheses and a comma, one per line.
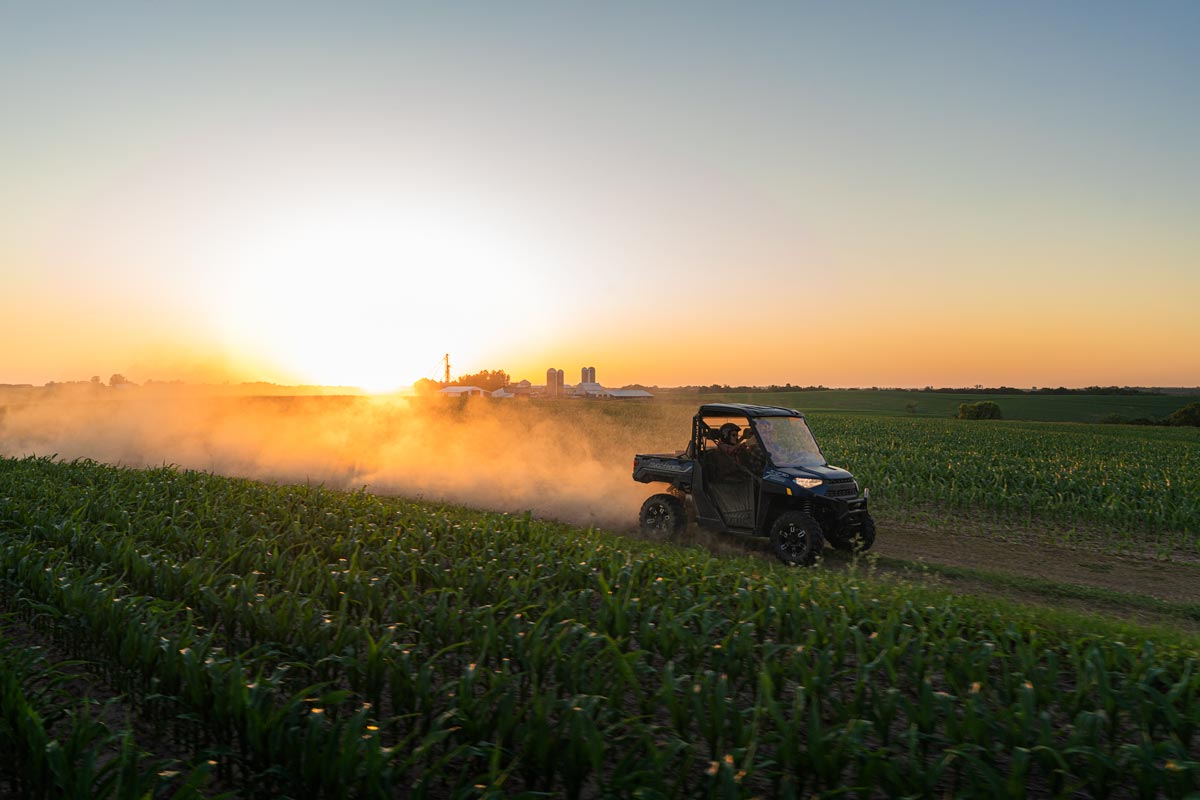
(745,410)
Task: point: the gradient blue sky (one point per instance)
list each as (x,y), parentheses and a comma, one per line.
(848,194)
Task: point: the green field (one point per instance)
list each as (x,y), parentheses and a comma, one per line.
(1135,487)
(457,653)
(1034,407)
(303,642)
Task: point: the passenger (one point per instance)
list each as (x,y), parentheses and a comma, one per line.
(751,454)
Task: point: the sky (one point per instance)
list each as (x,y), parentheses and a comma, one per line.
(846,194)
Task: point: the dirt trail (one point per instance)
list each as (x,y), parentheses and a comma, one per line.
(1015,565)
(1017,555)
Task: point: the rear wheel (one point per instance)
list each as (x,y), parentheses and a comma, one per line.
(796,538)
(662,516)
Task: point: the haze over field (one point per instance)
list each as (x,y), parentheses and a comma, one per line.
(572,466)
(844,194)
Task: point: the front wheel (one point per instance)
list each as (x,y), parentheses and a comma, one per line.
(662,516)
(796,538)
(866,536)
(859,541)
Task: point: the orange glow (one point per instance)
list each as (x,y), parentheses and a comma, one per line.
(343,199)
(368,296)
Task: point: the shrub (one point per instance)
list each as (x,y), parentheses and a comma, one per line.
(984,409)
(1188,415)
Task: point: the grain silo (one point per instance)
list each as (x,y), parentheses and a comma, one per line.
(551,381)
(591,374)
(559,384)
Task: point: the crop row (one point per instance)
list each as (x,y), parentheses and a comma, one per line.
(53,745)
(349,645)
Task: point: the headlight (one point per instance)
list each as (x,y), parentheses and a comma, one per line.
(808,483)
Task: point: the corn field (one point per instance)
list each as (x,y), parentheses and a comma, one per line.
(1133,484)
(295,641)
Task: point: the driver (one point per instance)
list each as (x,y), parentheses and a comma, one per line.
(728,437)
(739,447)
(731,448)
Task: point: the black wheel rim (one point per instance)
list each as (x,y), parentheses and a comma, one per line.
(793,541)
(657,517)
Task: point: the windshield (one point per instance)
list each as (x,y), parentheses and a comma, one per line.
(789,442)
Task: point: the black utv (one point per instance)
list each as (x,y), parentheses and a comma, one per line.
(756,470)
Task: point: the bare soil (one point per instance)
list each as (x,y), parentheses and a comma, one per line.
(992,553)
(1025,556)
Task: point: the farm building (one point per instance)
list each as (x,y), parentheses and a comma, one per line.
(587,387)
(595,390)
(462,391)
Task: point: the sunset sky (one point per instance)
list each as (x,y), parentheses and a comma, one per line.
(850,194)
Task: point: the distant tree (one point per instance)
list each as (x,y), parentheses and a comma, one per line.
(488,380)
(1189,416)
(117,380)
(426,386)
(984,409)
(95,380)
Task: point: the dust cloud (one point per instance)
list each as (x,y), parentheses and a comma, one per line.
(568,460)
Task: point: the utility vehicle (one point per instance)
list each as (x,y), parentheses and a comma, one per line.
(756,470)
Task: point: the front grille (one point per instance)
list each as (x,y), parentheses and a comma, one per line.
(841,487)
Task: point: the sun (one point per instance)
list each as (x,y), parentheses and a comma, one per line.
(370,297)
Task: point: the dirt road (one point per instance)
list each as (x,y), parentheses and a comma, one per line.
(1018,554)
(965,557)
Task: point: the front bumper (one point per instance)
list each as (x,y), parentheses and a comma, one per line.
(851,514)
